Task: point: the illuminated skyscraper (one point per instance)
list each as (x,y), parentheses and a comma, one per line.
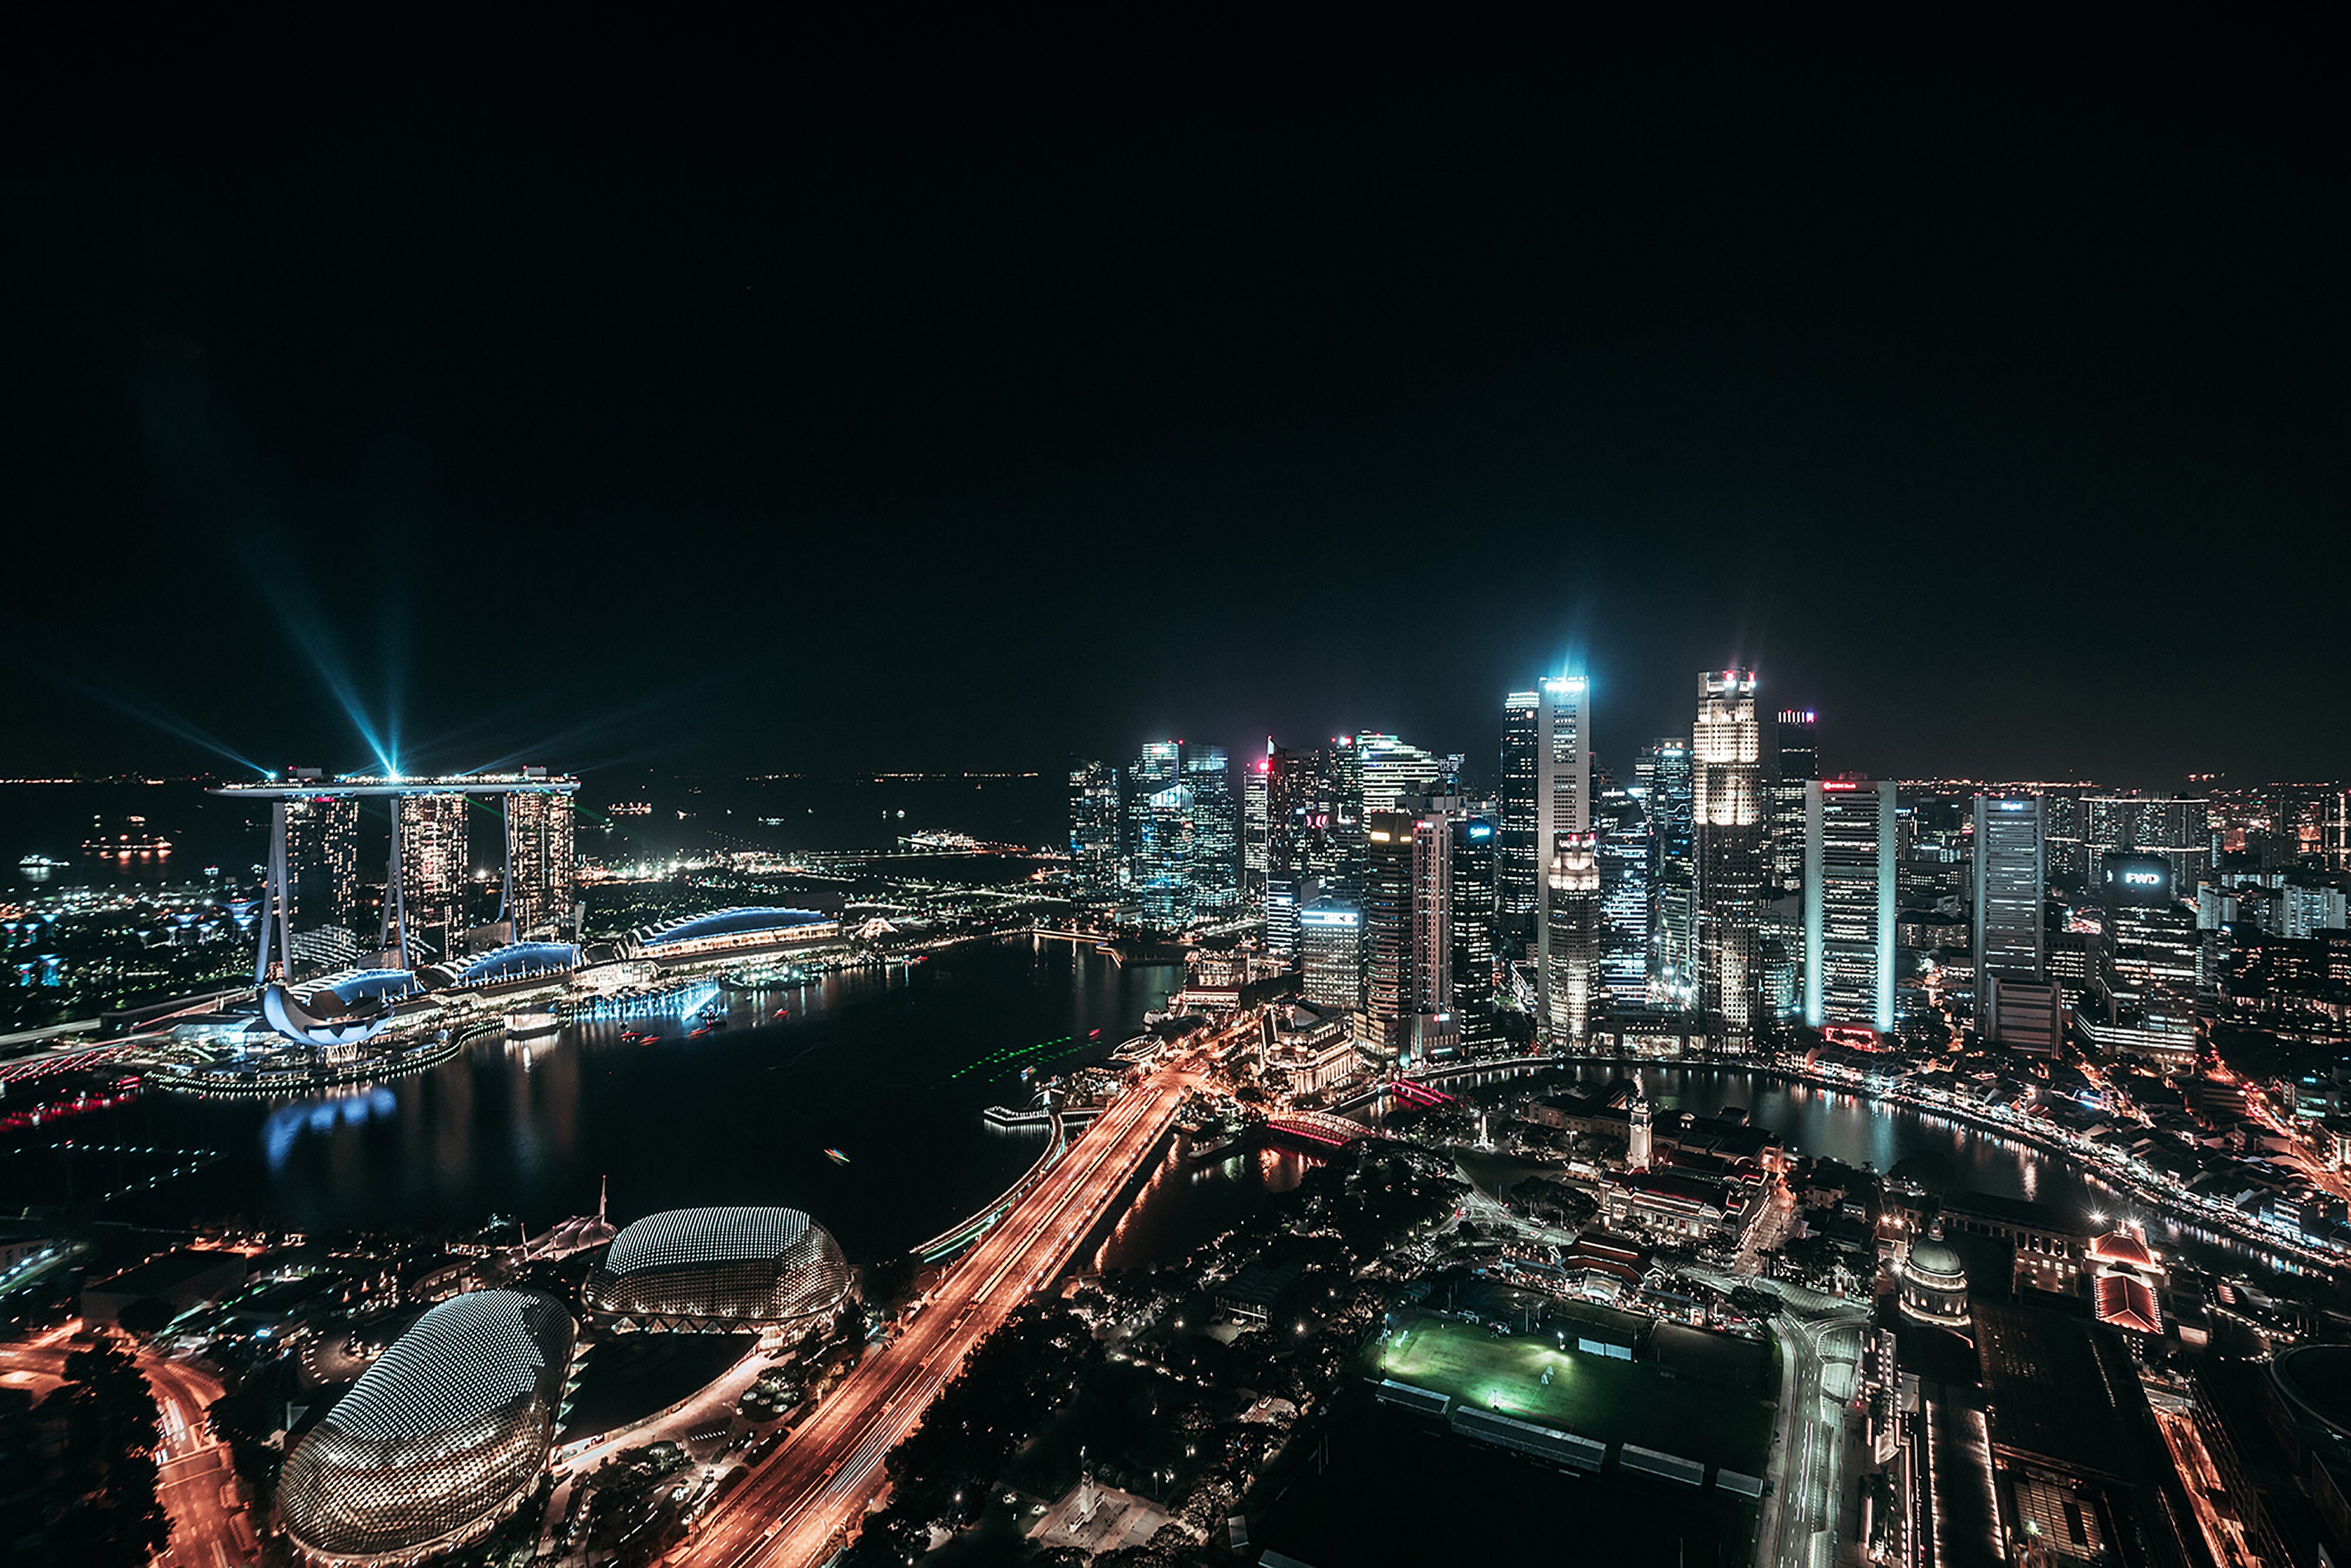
(1093,840)
(1435,1028)
(1396,775)
(1562,795)
(1795,762)
(1572,992)
(1257,800)
(1389,933)
(430,907)
(2016,1004)
(1849,885)
(541,873)
(1520,867)
(1331,953)
(1622,828)
(1183,836)
(1728,830)
(2009,872)
(1662,772)
(322,859)
(1215,832)
(1475,863)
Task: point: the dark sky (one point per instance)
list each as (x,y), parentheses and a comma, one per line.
(779,400)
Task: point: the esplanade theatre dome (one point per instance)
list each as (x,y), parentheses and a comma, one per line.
(438,1440)
(720,1270)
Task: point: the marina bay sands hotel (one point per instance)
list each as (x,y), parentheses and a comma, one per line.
(313,917)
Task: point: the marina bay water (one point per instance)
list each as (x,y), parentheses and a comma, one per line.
(868,1062)
(892,1068)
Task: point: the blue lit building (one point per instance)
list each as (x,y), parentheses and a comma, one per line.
(1849,888)
(1183,836)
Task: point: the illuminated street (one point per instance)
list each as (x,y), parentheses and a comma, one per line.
(796,1505)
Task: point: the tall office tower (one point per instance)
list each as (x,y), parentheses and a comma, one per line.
(1289,816)
(1436,1030)
(1331,953)
(1257,817)
(1664,772)
(1622,830)
(431,885)
(1476,862)
(1395,775)
(1849,880)
(1094,814)
(1343,792)
(2009,874)
(1215,832)
(1388,935)
(1563,796)
(2148,976)
(1731,895)
(1182,833)
(1159,838)
(1521,867)
(1573,990)
(542,876)
(1795,762)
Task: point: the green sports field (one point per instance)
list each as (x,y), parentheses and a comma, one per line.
(1596,1397)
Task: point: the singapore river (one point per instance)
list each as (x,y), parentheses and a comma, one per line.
(892,1068)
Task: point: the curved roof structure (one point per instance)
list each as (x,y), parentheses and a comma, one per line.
(1933,1262)
(355,987)
(342,1009)
(736,922)
(720,1269)
(514,961)
(439,1440)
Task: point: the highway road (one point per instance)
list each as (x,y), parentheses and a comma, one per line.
(1820,1346)
(799,1506)
(194,1480)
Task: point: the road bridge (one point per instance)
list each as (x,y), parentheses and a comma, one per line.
(800,1505)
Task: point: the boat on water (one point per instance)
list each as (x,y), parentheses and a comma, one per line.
(530,1023)
(39,862)
(836,1156)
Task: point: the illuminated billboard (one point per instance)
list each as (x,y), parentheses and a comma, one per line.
(2135,879)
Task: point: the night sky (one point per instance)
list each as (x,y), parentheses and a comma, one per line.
(788,402)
